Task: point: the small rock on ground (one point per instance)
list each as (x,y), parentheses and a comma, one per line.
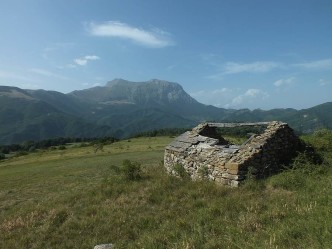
(104,246)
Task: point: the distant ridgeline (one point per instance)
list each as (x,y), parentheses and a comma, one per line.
(122,109)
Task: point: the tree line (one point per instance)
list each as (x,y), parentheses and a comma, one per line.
(30,146)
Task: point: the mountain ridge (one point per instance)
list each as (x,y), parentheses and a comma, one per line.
(122,108)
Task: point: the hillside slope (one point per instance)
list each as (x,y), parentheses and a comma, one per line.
(122,108)
(23,117)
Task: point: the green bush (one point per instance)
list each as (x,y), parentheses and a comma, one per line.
(306,163)
(180,170)
(203,171)
(321,140)
(62,147)
(288,180)
(131,170)
(21,153)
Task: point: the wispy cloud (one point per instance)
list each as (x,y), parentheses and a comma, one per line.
(96,84)
(248,96)
(254,67)
(47,73)
(84,60)
(211,93)
(56,48)
(316,65)
(155,38)
(232,97)
(323,82)
(283,82)
(229,68)
(15,76)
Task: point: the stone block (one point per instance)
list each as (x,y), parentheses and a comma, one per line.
(234,183)
(104,246)
(232,166)
(233,171)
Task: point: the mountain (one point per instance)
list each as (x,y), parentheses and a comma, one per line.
(122,108)
(25,117)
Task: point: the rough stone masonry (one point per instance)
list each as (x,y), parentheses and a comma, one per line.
(205,155)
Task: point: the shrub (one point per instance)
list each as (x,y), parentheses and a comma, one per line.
(131,170)
(32,149)
(21,153)
(62,147)
(288,180)
(99,146)
(321,140)
(306,163)
(203,171)
(180,170)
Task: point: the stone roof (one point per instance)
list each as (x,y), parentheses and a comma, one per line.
(194,137)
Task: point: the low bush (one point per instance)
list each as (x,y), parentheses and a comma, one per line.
(180,170)
(21,153)
(62,147)
(288,180)
(321,140)
(131,170)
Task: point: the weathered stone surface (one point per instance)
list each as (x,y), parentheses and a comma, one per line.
(104,246)
(200,150)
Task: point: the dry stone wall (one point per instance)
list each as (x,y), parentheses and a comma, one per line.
(204,155)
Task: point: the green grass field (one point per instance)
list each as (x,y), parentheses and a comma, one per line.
(76,198)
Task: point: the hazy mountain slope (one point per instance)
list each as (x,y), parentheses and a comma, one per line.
(123,108)
(308,120)
(24,117)
(63,102)
(142,93)
(165,96)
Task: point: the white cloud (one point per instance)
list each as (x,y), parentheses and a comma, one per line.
(283,82)
(198,94)
(323,82)
(232,97)
(249,96)
(266,66)
(84,60)
(220,91)
(210,94)
(155,38)
(255,67)
(316,65)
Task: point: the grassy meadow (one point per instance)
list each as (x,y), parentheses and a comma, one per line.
(76,198)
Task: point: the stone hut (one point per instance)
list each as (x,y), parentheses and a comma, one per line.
(203,153)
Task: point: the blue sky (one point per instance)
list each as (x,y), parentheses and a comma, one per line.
(228,53)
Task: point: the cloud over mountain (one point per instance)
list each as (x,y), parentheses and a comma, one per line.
(84,60)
